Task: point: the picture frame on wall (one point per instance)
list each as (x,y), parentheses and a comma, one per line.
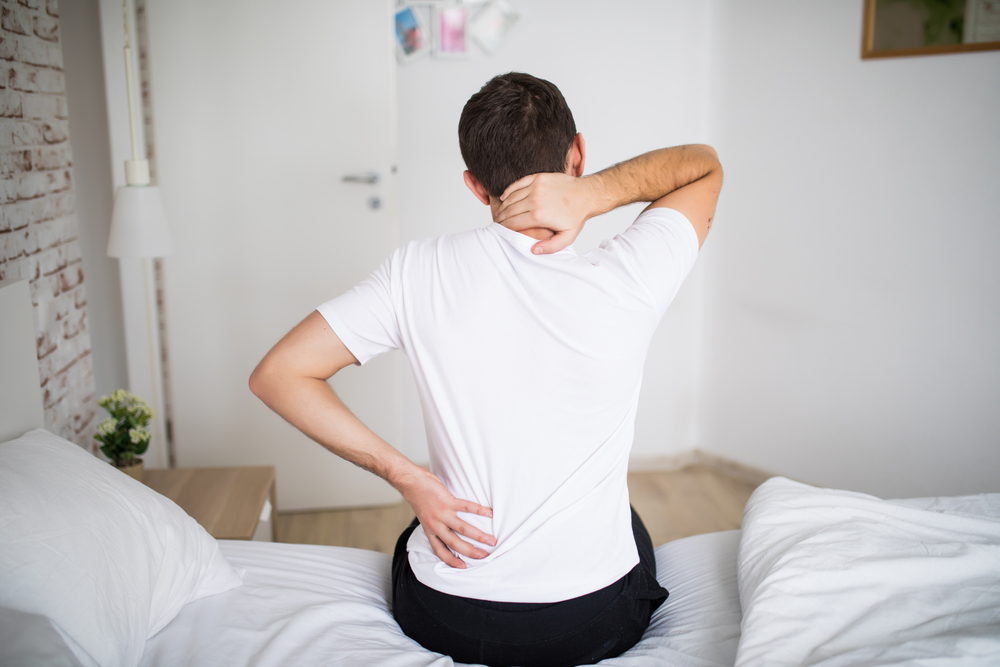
(492,24)
(894,28)
(450,30)
(411,35)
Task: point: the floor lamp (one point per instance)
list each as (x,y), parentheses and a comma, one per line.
(138,234)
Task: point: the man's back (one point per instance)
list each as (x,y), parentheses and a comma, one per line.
(529,369)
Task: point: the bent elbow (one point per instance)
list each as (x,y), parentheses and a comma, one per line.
(258,381)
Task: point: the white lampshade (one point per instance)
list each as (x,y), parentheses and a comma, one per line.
(139,224)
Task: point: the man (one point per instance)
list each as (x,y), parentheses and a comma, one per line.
(528,358)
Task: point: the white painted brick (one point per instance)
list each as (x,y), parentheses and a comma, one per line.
(74,324)
(15,19)
(33,51)
(27,133)
(15,270)
(6,132)
(60,180)
(71,276)
(50,262)
(55,56)
(73,257)
(50,80)
(54,157)
(31,184)
(8,189)
(46,27)
(61,204)
(17,243)
(44,289)
(8,47)
(23,213)
(40,106)
(55,132)
(10,104)
(22,77)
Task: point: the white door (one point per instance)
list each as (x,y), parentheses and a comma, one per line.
(260,108)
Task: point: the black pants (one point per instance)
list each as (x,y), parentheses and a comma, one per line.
(582,630)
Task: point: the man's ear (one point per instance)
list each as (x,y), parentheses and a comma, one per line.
(477,188)
(577,156)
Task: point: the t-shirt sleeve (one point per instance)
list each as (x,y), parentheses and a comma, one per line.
(658,251)
(364,317)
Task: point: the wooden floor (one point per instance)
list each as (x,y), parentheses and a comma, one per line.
(672,504)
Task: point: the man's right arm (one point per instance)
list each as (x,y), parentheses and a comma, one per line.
(685,178)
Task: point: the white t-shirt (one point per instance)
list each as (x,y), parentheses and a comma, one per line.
(528,368)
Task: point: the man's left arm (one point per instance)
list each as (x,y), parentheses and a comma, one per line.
(292,381)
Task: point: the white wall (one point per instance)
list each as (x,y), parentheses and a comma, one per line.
(853,292)
(80,26)
(850,284)
(634,74)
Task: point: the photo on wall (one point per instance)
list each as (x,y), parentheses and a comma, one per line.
(450,25)
(924,27)
(493,23)
(411,35)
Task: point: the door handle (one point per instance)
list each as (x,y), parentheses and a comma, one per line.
(369,178)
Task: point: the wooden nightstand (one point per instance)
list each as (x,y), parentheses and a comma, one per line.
(227,502)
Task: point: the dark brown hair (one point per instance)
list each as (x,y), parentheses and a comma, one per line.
(514,126)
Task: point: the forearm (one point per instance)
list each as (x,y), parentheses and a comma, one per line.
(311,405)
(649,176)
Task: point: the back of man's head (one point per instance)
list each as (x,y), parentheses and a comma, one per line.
(514,126)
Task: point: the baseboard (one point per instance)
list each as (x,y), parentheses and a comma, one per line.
(740,471)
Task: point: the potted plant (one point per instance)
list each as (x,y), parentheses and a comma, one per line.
(125,434)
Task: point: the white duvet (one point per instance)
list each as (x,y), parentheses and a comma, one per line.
(836,578)
(307,606)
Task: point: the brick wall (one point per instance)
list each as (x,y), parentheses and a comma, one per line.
(38,230)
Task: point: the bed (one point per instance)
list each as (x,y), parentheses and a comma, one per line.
(97,569)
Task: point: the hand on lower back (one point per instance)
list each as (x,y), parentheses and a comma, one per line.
(437,510)
(559,203)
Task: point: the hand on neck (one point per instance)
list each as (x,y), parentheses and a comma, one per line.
(537,233)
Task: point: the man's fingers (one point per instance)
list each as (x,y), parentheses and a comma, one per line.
(519,184)
(444,553)
(553,245)
(458,545)
(521,210)
(514,198)
(473,508)
(470,531)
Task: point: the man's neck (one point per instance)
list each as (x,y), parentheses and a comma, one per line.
(538,233)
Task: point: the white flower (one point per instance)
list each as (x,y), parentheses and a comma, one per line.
(107,427)
(137,435)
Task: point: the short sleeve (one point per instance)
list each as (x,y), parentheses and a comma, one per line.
(658,250)
(364,317)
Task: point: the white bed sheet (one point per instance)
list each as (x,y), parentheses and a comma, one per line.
(838,578)
(311,605)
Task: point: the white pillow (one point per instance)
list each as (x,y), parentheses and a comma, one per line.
(107,559)
(831,577)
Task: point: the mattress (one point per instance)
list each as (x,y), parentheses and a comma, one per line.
(310,605)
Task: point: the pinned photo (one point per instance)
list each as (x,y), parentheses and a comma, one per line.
(411,35)
(492,24)
(451,31)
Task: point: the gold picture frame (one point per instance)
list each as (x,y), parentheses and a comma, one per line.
(895,28)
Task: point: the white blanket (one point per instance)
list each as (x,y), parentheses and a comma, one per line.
(307,605)
(839,578)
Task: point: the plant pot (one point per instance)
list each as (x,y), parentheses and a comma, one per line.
(134,471)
